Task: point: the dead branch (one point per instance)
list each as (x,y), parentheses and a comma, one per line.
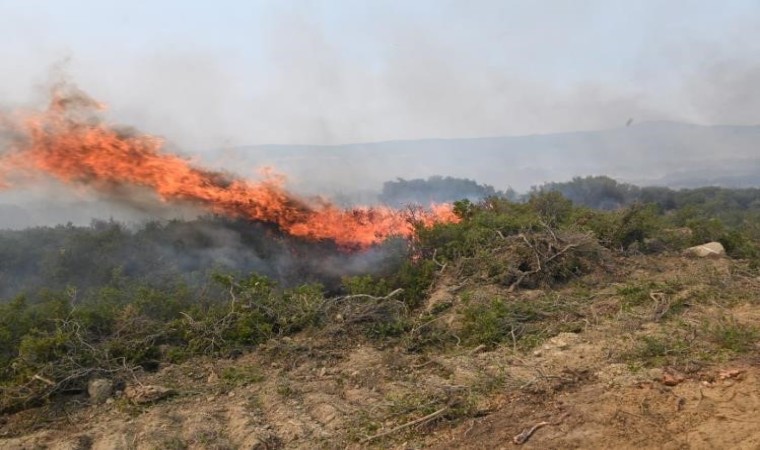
(419,421)
(527,433)
(371,297)
(43,379)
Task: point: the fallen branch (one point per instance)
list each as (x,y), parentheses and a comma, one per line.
(419,421)
(371,297)
(438,263)
(44,380)
(527,433)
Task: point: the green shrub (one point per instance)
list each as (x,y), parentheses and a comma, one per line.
(620,229)
(242,375)
(553,208)
(661,350)
(731,335)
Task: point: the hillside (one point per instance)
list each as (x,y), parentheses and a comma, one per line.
(594,326)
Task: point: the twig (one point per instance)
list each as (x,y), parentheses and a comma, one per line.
(438,263)
(527,433)
(44,380)
(371,297)
(477,349)
(419,421)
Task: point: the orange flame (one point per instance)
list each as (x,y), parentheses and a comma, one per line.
(70,142)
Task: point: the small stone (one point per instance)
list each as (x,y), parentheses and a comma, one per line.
(231,394)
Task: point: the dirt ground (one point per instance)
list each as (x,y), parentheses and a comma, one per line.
(323,390)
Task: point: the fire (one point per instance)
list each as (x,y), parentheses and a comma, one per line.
(71,142)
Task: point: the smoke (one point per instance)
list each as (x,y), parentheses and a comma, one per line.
(321,74)
(157,253)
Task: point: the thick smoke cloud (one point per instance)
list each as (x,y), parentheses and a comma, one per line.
(461,71)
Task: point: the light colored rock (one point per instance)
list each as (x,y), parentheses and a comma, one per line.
(99,390)
(562,341)
(147,394)
(708,249)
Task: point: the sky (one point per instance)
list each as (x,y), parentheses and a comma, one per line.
(208,75)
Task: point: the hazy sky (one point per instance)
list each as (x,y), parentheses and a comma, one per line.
(207,74)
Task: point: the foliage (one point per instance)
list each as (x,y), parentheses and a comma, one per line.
(107,300)
(435,189)
(64,340)
(520,322)
(158,253)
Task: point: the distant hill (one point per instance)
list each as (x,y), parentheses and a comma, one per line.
(662,153)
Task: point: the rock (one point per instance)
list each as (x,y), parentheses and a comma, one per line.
(672,379)
(560,342)
(141,395)
(713,249)
(99,390)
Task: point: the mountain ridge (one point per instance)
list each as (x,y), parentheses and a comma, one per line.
(646,151)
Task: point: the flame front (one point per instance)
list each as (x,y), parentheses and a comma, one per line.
(70,142)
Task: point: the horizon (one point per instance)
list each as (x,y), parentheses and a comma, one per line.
(548,133)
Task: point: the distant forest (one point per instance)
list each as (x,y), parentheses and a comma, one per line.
(435,189)
(731,205)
